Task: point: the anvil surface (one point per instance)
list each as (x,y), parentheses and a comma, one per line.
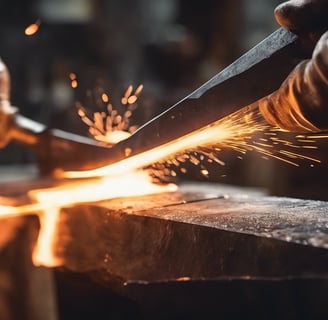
(201,231)
(205,249)
(208,250)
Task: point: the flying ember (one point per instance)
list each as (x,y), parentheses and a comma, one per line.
(32,28)
(110,126)
(245,130)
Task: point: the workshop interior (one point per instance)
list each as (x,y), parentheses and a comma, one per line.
(239,233)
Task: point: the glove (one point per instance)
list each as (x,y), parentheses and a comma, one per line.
(301,103)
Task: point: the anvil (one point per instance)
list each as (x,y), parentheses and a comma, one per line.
(206,249)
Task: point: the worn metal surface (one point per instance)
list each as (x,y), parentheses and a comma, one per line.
(230,231)
(200,232)
(208,249)
(205,251)
(288,219)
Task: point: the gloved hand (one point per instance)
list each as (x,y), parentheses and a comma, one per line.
(301,103)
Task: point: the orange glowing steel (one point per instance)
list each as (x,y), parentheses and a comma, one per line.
(43,251)
(236,132)
(200,137)
(113,137)
(32,28)
(47,202)
(132,184)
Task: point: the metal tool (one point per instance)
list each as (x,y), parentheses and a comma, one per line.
(53,148)
(254,75)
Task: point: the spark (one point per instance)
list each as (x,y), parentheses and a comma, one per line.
(323,136)
(241,132)
(32,28)
(74,83)
(110,126)
(105,97)
(130,98)
(204,172)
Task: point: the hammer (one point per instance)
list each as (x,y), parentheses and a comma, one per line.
(54,149)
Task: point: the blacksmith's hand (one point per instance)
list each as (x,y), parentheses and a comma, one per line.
(6,109)
(301,103)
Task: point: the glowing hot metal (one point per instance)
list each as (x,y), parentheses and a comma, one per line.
(236,132)
(47,203)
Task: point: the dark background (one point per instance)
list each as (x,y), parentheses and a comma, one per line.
(171,46)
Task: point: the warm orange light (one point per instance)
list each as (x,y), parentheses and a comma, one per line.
(72,76)
(130,98)
(236,132)
(47,202)
(204,172)
(127,178)
(43,253)
(111,126)
(74,84)
(113,137)
(32,28)
(104,97)
(205,136)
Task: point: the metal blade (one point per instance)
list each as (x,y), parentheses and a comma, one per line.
(257,73)
(264,50)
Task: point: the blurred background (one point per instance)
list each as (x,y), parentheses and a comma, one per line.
(170,46)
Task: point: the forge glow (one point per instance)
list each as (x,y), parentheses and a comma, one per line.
(236,132)
(90,190)
(47,203)
(246,130)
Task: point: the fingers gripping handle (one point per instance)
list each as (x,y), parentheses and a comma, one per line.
(6,110)
(4,84)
